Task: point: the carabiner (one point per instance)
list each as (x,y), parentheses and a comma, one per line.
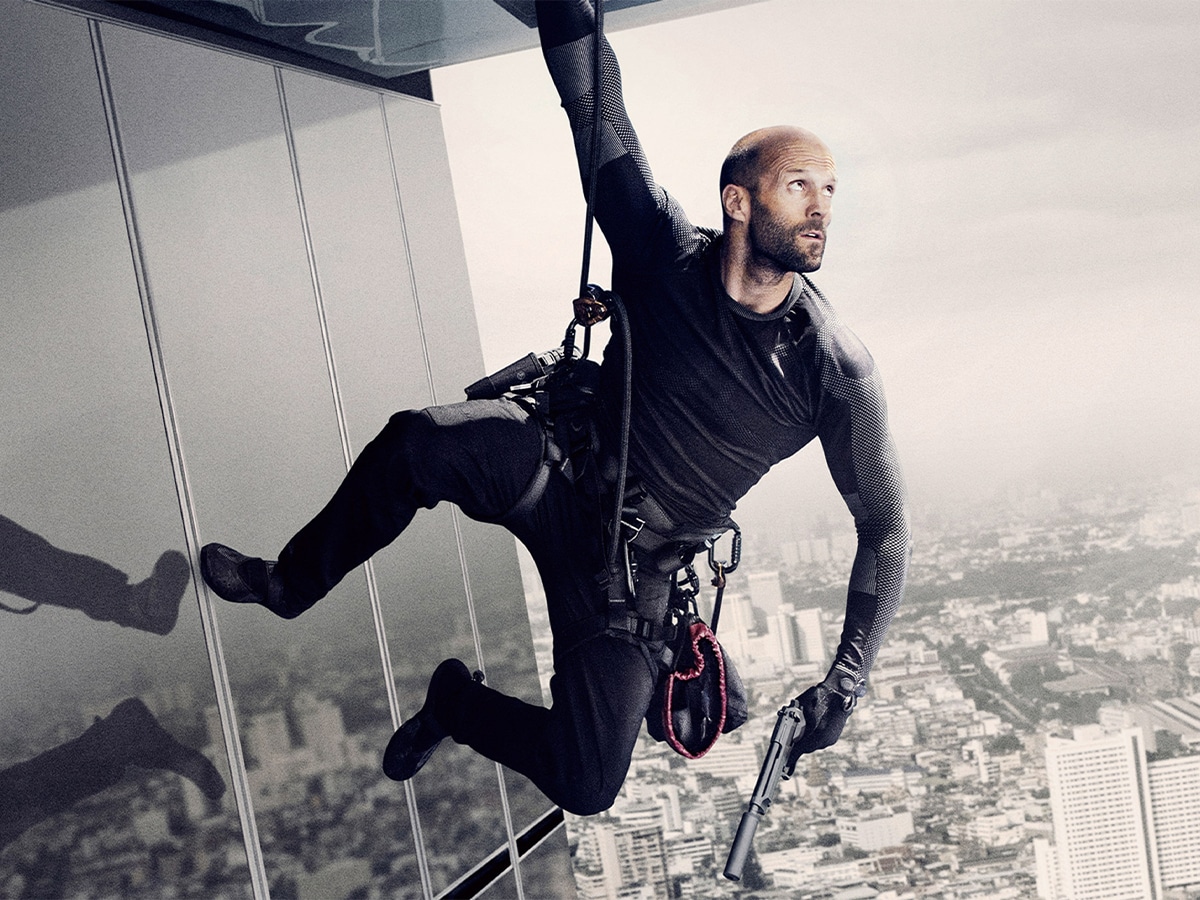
(721,569)
(590,309)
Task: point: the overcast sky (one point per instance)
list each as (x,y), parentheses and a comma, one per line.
(1014,234)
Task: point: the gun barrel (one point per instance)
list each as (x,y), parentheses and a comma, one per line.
(789,728)
(742,842)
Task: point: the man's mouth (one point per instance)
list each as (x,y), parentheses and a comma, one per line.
(813,235)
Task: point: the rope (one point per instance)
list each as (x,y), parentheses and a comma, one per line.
(616,308)
(622,322)
(593,156)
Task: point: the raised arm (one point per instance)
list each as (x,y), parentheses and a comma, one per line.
(629,205)
(858,448)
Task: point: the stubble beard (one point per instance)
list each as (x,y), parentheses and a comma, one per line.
(774,244)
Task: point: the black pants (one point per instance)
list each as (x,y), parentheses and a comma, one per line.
(482,455)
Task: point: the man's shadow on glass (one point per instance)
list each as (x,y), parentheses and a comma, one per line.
(34,569)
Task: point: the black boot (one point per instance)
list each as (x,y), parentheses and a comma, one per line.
(415,741)
(140,740)
(247,579)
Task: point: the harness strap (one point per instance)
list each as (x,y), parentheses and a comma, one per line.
(625,624)
(552,455)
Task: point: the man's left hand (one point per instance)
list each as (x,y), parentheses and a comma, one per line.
(826,707)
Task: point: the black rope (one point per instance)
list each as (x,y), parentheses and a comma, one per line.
(622,323)
(616,307)
(593,156)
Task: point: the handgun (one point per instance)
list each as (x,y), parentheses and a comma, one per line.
(789,728)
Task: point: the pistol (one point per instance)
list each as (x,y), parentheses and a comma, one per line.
(789,728)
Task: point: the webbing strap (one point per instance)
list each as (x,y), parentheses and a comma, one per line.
(552,455)
(23,611)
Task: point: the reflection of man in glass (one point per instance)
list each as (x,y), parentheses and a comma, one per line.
(57,779)
(738,361)
(130,736)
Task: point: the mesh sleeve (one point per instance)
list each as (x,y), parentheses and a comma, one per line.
(863,461)
(628,202)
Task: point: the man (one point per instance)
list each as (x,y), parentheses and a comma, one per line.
(738,361)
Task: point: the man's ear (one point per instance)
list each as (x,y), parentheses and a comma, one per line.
(735,203)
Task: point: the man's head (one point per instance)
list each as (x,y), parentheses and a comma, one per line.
(777,188)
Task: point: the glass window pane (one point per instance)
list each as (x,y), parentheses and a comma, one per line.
(455,360)
(375,330)
(112,780)
(242,340)
(546,870)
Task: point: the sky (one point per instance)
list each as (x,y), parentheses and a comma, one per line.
(1013,236)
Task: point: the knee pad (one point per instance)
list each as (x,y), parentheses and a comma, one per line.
(582,801)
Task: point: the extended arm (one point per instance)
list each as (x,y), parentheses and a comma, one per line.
(862,459)
(628,202)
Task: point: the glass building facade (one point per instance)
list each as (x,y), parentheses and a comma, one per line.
(219,279)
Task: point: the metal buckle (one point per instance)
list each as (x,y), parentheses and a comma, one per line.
(636,529)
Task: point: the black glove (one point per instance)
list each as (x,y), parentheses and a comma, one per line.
(826,707)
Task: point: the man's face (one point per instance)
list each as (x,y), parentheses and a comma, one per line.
(790,206)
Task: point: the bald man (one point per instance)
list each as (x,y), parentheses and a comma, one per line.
(738,361)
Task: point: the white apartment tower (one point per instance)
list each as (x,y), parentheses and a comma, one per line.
(1104,825)
(808,624)
(1175,802)
(765,591)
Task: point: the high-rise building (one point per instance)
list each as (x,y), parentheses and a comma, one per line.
(729,758)
(876,828)
(798,636)
(810,637)
(622,861)
(1103,830)
(737,620)
(1175,803)
(765,591)
(267,735)
(321,729)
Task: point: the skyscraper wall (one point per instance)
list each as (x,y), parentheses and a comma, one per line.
(1175,803)
(1099,795)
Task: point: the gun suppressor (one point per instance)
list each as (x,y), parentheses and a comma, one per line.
(789,728)
(525,370)
(742,842)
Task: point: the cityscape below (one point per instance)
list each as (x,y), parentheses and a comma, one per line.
(1032,729)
